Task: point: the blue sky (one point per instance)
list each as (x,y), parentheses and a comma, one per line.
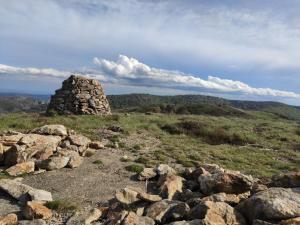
(237,49)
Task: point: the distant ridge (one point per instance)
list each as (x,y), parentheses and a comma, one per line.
(180,104)
(200,104)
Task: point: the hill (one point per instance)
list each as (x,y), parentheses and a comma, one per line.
(178,104)
(198,104)
(9,104)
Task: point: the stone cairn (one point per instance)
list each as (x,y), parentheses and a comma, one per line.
(81,96)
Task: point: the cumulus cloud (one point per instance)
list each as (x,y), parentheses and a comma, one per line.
(134,72)
(126,71)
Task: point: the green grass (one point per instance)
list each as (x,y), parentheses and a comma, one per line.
(98,162)
(135,168)
(261,144)
(62,205)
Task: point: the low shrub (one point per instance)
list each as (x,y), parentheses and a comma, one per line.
(134,168)
(62,205)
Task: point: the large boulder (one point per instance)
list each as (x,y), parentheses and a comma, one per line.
(170,185)
(272,204)
(9,219)
(127,195)
(230,199)
(217,213)
(147,174)
(85,217)
(163,169)
(167,211)
(134,219)
(16,154)
(10,139)
(287,180)
(35,210)
(40,146)
(23,192)
(53,129)
(21,168)
(54,163)
(79,140)
(231,182)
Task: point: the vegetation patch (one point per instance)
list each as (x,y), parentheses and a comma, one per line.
(62,205)
(98,162)
(135,168)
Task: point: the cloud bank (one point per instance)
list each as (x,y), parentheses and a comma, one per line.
(131,72)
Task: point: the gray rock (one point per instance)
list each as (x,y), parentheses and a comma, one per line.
(216,213)
(85,217)
(272,204)
(147,173)
(54,163)
(23,192)
(286,180)
(167,210)
(54,129)
(230,182)
(163,169)
(32,222)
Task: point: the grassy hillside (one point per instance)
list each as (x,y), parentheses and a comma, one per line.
(262,144)
(199,105)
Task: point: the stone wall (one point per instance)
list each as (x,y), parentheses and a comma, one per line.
(79,95)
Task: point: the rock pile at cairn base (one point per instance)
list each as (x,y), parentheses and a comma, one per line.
(79,95)
(206,195)
(49,147)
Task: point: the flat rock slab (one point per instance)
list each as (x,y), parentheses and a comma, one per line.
(7,204)
(89,183)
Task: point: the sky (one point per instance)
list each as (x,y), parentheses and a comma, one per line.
(237,49)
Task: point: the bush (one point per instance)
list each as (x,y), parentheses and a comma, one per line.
(98,162)
(61,205)
(134,168)
(172,129)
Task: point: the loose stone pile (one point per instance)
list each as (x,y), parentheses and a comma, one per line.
(49,147)
(207,195)
(79,95)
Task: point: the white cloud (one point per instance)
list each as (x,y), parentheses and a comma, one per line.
(129,71)
(134,72)
(4,69)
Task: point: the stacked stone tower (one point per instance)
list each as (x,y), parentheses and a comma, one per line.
(81,96)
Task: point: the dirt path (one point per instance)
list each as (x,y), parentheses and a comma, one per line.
(90,183)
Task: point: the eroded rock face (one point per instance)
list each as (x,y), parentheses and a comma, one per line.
(79,95)
(272,204)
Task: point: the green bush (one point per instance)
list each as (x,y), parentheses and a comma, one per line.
(134,168)
(98,162)
(61,205)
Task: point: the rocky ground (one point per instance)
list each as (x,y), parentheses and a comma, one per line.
(51,166)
